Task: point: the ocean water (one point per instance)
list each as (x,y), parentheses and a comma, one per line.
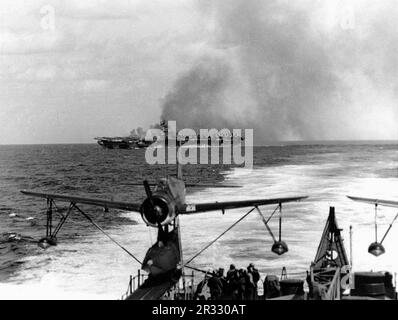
(85,264)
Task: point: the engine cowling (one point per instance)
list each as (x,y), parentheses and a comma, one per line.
(159,209)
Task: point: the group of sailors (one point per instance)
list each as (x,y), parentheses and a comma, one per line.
(237,284)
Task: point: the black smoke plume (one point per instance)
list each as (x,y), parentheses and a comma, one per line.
(277,69)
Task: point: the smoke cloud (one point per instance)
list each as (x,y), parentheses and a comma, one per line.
(293,70)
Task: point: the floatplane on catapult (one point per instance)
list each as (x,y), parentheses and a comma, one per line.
(160,209)
(166,269)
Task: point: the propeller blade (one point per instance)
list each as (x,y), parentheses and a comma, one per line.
(154,209)
(148,191)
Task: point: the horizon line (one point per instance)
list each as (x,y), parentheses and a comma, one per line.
(264,144)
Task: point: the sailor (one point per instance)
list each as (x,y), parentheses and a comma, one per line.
(223,280)
(201,289)
(216,287)
(310,286)
(243,281)
(233,282)
(232,270)
(254,277)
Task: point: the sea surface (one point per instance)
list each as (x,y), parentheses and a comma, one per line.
(86,265)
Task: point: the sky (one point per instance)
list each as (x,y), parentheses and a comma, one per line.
(291,70)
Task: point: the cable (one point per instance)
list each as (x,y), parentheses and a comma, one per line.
(105,233)
(207,246)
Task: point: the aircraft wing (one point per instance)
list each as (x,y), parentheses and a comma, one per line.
(194,185)
(387,203)
(107,204)
(213,206)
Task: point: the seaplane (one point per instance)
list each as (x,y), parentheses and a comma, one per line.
(161,208)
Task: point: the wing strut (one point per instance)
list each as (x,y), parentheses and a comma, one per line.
(279,247)
(51,234)
(266,221)
(389,228)
(376,248)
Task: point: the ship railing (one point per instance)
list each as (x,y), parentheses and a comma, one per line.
(134,283)
(185,287)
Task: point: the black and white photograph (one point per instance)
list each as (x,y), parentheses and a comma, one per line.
(213,151)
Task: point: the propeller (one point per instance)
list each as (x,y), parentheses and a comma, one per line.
(154,208)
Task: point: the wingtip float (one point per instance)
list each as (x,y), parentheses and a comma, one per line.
(376,248)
